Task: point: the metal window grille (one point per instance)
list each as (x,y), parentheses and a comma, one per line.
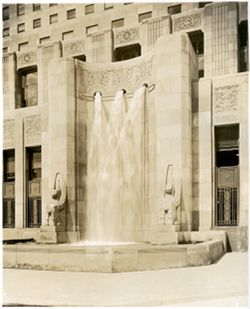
(9,213)
(34,212)
(226,212)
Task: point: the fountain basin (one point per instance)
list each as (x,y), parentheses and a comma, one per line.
(119,258)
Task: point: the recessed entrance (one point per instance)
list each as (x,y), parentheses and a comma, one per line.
(227,175)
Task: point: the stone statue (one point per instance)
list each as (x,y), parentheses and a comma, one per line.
(171,200)
(58,203)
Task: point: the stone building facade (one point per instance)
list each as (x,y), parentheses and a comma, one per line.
(193,58)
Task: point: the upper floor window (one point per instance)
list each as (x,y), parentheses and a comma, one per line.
(37,23)
(127,52)
(36,7)
(175,9)
(202,4)
(5,50)
(91,29)
(21,27)
(67,35)
(6,13)
(71,14)
(20,9)
(89,9)
(108,6)
(144,16)
(53,19)
(9,165)
(6,32)
(45,39)
(23,46)
(26,87)
(117,23)
(126,3)
(52,4)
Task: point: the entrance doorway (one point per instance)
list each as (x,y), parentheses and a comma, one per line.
(227,175)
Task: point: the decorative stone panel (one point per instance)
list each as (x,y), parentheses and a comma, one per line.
(110,81)
(226,98)
(126,36)
(9,131)
(32,130)
(26,58)
(187,22)
(73,48)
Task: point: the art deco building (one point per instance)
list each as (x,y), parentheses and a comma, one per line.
(193,59)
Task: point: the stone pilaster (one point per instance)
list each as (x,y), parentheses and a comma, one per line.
(99,47)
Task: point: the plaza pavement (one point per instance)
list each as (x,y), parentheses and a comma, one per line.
(222,284)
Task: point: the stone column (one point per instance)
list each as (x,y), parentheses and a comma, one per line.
(174,64)
(205,154)
(221,42)
(61,144)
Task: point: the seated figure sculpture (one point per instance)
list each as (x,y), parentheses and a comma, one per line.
(171,198)
(58,203)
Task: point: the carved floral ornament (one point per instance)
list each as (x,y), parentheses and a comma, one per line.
(26,58)
(74,47)
(126,36)
(110,81)
(187,22)
(33,126)
(226,98)
(9,130)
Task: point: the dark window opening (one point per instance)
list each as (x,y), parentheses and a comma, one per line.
(202,4)
(34,161)
(127,52)
(21,27)
(145,16)
(36,7)
(197,40)
(90,8)
(6,32)
(175,9)
(108,6)
(6,13)
(9,165)
(117,23)
(227,158)
(27,87)
(243,46)
(201,73)
(71,14)
(20,9)
(37,23)
(81,58)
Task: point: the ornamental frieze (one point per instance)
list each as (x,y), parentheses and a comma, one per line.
(74,47)
(9,130)
(109,81)
(26,58)
(226,98)
(126,36)
(32,126)
(187,22)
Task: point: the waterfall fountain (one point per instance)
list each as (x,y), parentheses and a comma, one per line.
(115,169)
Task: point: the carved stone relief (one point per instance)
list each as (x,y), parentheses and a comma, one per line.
(226,98)
(187,22)
(9,130)
(110,81)
(26,58)
(72,48)
(32,127)
(127,36)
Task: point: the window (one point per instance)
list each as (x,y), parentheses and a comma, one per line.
(108,6)
(36,7)
(144,16)
(80,57)
(53,18)
(67,35)
(52,4)
(117,23)
(21,27)
(243,46)
(202,4)
(20,9)
(6,13)
(9,165)
(126,3)
(23,46)
(91,29)
(6,32)
(197,40)
(71,14)
(175,9)
(5,50)
(37,23)
(89,9)
(35,167)
(26,87)
(127,52)
(44,40)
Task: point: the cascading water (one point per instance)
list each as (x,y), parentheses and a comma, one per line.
(115,169)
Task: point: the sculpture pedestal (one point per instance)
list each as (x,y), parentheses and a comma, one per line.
(165,234)
(50,234)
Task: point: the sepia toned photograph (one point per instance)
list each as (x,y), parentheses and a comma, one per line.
(125,154)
